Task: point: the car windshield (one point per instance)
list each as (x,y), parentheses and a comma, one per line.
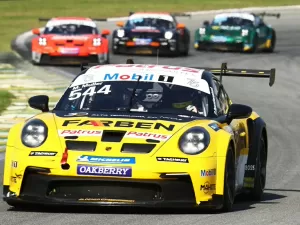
(150,97)
(149,22)
(70,29)
(231,21)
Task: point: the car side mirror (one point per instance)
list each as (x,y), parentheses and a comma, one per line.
(40,102)
(36,31)
(238,111)
(206,23)
(105,32)
(180,26)
(120,24)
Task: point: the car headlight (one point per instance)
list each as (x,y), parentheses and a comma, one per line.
(245,32)
(168,35)
(42,41)
(201,30)
(194,141)
(34,133)
(120,33)
(97,41)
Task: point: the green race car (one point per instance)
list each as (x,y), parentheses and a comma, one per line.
(245,32)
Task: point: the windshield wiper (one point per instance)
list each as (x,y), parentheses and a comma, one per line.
(133,93)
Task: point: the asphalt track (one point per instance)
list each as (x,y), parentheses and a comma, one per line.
(279,106)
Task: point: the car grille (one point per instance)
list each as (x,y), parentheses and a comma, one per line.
(75,190)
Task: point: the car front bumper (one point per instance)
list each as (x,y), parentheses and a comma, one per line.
(38,187)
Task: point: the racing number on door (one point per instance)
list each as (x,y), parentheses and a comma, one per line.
(75,94)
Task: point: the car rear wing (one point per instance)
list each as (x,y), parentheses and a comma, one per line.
(175,14)
(263,14)
(181,14)
(225,72)
(42,19)
(85,66)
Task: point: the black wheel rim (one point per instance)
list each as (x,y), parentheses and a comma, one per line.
(263,164)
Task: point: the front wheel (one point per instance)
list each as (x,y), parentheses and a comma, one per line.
(229,181)
(273,43)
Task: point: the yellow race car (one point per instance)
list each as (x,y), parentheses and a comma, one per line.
(139,135)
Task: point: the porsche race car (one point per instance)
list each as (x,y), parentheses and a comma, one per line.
(243,32)
(146,33)
(70,40)
(139,135)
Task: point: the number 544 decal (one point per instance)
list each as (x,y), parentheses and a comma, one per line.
(90,91)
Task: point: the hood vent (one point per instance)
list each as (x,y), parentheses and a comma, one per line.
(112,136)
(137,148)
(69,41)
(81,145)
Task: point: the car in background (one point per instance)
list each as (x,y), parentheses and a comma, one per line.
(244,32)
(70,40)
(148,33)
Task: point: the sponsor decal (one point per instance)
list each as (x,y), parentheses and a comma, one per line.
(106,160)
(214,126)
(104,171)
(219,39)
(206,187)
(124,124)
(64,133)
(54,22)
(208,173)
(122,77)
(68,51)
(249,167)
(38,153)
(15,178)
(173,69)
(193,83)
(70,37)
(164,78)
(172,159)
(133,134)
(140,41)
(14,164)
(214,100)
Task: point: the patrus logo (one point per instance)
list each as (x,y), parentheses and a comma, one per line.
(104,171)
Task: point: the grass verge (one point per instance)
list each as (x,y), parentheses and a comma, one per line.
(5,99)
(21,16)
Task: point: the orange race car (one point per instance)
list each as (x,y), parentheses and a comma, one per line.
(70,40)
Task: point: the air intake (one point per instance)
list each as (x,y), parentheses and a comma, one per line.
(81,145)
(112,136)
(137,148)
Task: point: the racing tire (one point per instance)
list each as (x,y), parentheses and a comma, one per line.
(108,59)
(255,43)
(273,43)
(229,181)
(186,51)
(260,173)
(35,63)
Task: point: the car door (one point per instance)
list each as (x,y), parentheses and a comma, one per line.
(237,127)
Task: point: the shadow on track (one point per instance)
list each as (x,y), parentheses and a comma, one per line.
(241,204)
(283,190)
